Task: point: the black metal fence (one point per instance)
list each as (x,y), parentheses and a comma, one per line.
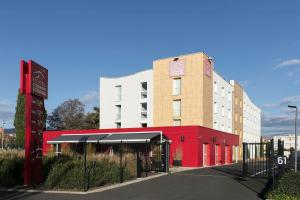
(261,159)
(141,159)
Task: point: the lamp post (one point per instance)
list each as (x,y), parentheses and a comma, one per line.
(295,135)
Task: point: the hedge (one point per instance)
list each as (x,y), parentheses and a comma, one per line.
(63,172)
(68,173)
(11,171)
(287,188)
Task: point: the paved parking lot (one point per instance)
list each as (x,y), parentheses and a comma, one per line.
(207,183)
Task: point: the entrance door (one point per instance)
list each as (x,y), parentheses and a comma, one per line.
(206,155)
(227,154)
(217,154)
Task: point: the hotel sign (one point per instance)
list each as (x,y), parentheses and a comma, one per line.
(34,85)
(176,67)
(39,83)
(207,67)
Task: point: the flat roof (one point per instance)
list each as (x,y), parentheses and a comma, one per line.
(106,138)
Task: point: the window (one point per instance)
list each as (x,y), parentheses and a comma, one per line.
(57,149)
(215,107)
(177,122)
(223,92)
(235,117)
(118,90)
(144,90)
(144,124)
(215,125)
(229,96)
(118,112)
(236,101)
(223,111)
(223,127)
(177,86)
(177,108)
(118,124)
(215,87)
(229,114)
(144,110)
(229,129)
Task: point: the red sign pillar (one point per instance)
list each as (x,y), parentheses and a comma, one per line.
(34,85)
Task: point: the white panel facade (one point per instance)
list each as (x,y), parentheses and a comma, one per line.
(127,95)
(222,104)
(252,120)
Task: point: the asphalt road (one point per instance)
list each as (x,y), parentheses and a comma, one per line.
(207,183)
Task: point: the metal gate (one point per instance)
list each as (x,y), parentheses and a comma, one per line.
(259,158)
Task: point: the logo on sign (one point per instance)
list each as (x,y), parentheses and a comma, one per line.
(39,81)
(177,67)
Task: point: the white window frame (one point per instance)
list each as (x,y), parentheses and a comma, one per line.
(177,122)
(177,86)
(177,108)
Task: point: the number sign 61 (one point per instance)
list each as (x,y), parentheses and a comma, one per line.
(281,160)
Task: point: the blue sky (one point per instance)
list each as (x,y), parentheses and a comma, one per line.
(254,42)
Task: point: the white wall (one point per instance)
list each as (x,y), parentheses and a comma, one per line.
(222,98)
(252,120)
(130,102)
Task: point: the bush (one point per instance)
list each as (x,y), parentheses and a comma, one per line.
(287,188)
(67,173)
(11,171)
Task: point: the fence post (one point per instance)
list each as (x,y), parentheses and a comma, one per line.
(244,159)
(121,162)
(84,168)
(146,155)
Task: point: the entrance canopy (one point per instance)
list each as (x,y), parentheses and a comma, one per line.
(130,137)
(106,138)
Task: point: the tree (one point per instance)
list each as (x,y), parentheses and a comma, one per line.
(92,119)
(68,115)
(19,121)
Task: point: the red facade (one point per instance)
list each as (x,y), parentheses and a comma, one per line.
(190,139)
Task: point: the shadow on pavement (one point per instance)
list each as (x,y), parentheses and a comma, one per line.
(259,185)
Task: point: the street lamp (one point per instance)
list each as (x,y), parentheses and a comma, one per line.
(295,135)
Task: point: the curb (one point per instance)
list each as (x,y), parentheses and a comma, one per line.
(102,189)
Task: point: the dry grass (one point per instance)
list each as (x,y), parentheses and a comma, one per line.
(12,153)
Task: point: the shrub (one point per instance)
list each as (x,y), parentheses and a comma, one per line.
(68,173)
(287,188)
(11,171)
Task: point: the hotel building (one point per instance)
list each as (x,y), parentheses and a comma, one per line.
(179,91)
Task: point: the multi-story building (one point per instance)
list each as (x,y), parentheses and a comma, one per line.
(127,101)
(289,142)
(251,121)
(222,104)
(179,91)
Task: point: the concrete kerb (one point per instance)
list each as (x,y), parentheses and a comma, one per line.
(101,189)
(105,188)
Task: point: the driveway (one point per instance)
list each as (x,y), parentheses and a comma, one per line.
(208,183)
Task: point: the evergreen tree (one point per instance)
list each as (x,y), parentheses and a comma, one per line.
(19,121)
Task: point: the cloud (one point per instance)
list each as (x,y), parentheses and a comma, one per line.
(287,63)
(290,100)
(283,102)
(270,105)
(244,83)
(7,112)
(278,124)
(90,99)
